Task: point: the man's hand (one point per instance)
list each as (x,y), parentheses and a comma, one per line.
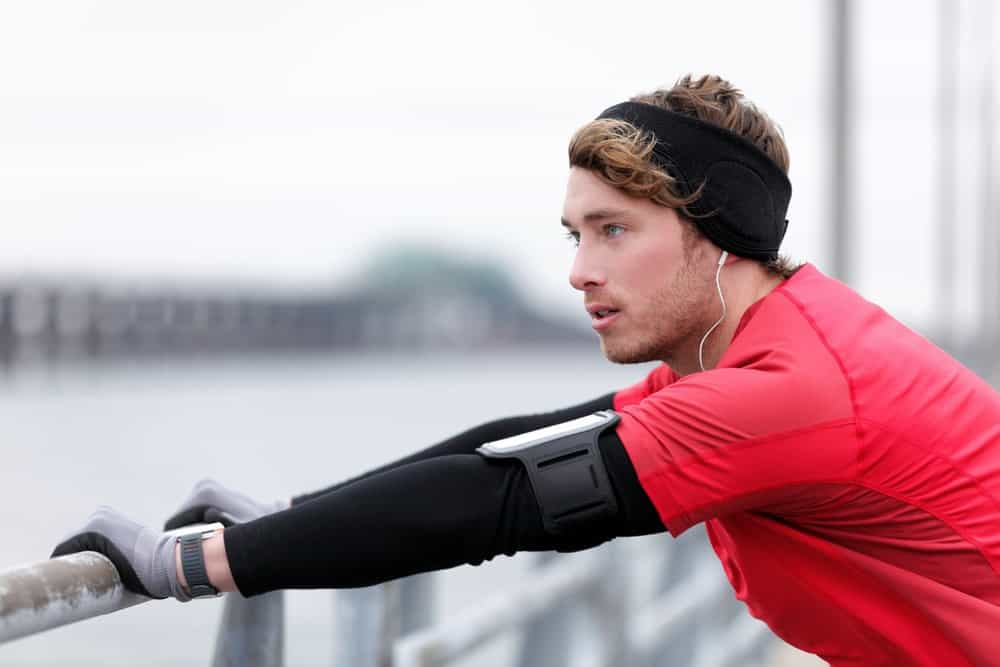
(144,557)
(210,502)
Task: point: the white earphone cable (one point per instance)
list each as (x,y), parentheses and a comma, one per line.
(718,286)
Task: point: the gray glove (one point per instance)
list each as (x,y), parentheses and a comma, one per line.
(210,502)
(144,558)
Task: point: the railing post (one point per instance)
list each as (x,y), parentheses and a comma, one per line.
(546,640)
(367,620)
(681,568)
(416,603)
(252,631)
(610,608)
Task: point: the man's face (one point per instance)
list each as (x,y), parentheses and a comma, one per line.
(636,258)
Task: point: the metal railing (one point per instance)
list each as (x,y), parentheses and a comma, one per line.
(56,592)
(693,618)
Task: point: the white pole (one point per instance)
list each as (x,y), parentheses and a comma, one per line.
(947,146)
(991,239)
(843,225)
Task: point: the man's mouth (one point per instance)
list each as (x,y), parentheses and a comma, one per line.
(602,315)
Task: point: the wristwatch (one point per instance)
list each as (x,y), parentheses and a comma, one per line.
(193,564)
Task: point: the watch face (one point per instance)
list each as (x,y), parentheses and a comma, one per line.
(197,528)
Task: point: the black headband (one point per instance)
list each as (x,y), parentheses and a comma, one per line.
(745,197)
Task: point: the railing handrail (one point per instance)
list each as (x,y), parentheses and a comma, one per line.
(55,592)
(59,591)
(51,593)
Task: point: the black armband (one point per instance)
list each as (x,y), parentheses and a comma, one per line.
(566,471)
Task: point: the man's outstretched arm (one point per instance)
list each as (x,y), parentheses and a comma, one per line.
(210,501)
(416,517)
(412,516)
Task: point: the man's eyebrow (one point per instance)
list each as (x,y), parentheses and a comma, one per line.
(599,214)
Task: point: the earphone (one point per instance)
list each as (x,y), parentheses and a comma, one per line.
(718,286)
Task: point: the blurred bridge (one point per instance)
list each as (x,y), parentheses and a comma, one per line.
(66,323)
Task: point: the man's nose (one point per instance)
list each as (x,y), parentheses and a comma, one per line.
(585,272)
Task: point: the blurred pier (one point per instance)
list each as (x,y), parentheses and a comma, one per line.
(54,323)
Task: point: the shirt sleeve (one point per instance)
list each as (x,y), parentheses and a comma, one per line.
(655,380)
(737,439)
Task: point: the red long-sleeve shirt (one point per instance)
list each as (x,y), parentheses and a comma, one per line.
(848,473)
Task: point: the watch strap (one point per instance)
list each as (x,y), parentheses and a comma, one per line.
(193,565)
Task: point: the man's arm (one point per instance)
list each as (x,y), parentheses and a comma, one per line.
(415,517)
(209,501)
(412,516)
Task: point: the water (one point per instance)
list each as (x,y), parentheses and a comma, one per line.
(138,438)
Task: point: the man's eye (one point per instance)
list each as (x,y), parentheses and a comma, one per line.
(613,230)
(574,237)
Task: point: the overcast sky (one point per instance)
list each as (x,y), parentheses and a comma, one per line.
(278,143)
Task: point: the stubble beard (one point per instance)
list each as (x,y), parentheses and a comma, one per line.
(670,324)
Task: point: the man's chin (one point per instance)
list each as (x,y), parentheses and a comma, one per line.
(617,353)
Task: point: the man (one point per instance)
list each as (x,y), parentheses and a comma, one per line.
(847,471)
